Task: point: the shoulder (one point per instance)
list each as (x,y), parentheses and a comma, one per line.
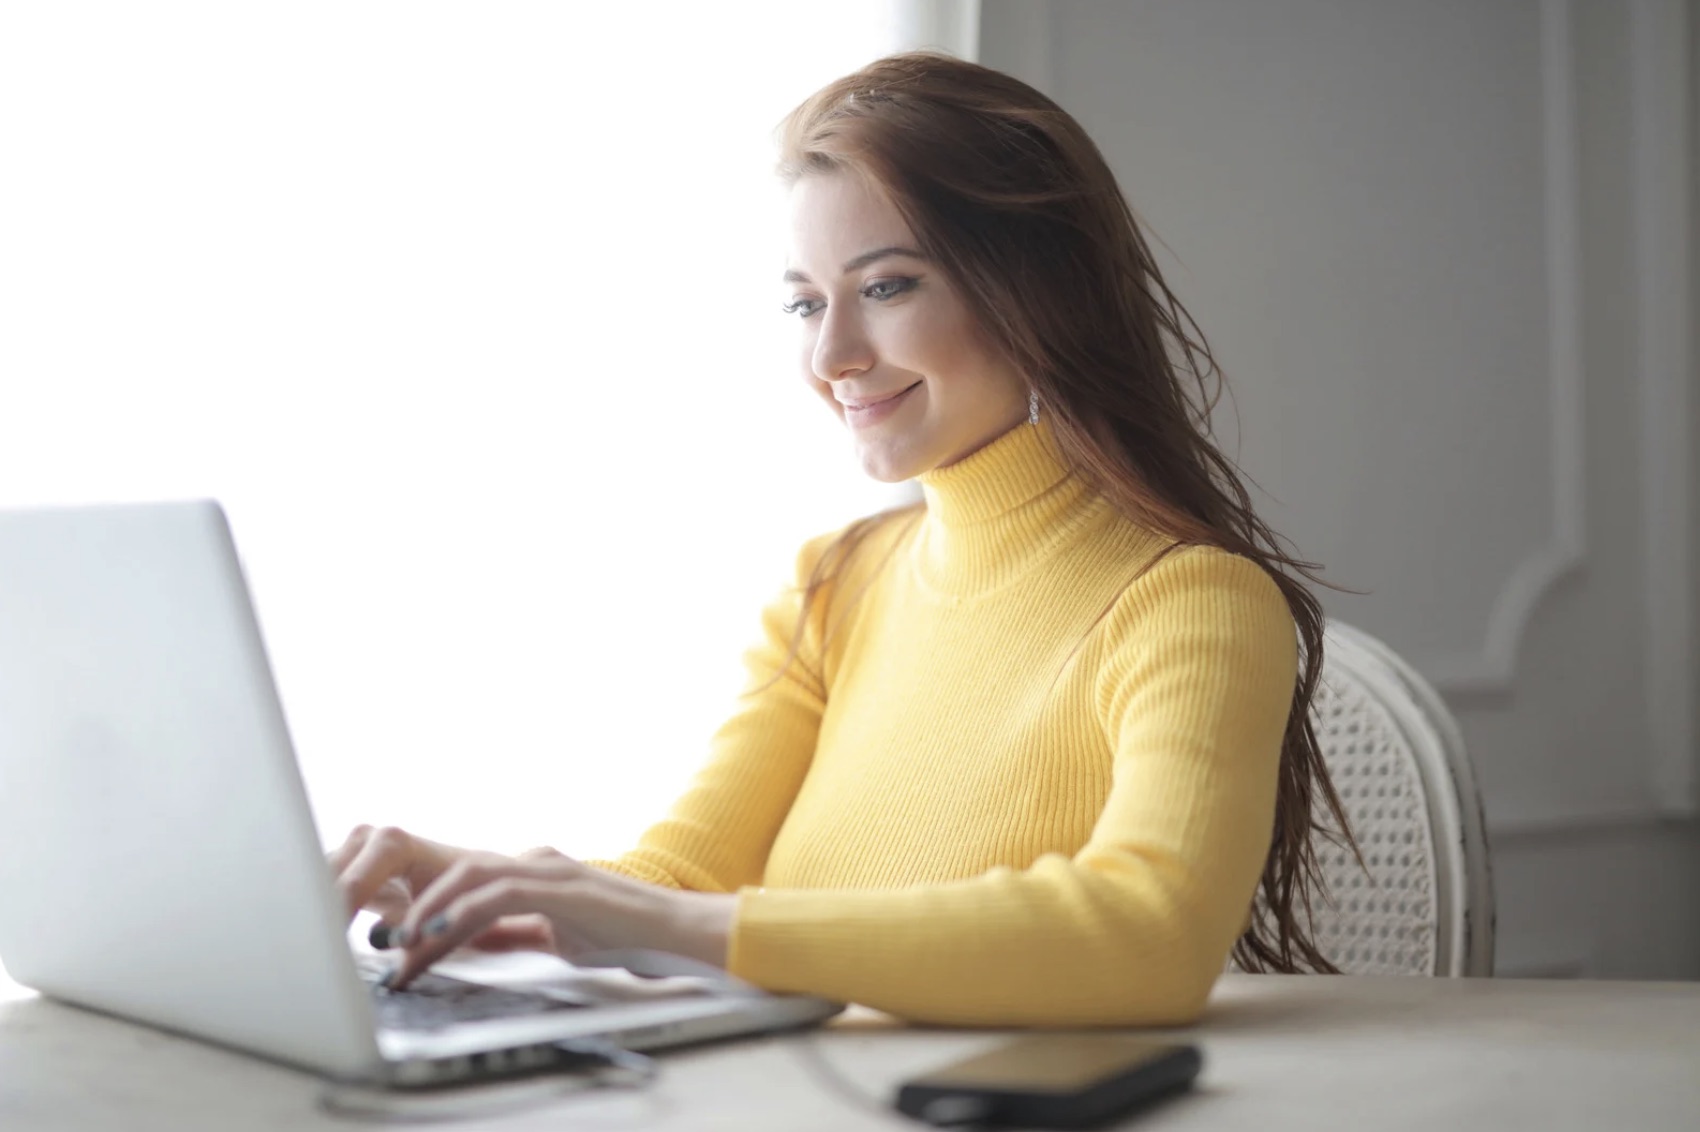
(1201,599)
(1203,575)
(1199,631)
(836,567)
(856,547)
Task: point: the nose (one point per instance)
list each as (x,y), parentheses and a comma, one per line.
(842,348)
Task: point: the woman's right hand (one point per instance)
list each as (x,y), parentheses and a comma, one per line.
(384,870)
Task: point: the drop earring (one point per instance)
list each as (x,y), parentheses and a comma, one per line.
(1032,407)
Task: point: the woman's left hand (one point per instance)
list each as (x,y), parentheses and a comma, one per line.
(577,909)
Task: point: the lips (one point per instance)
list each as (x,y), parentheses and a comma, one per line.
(877,401)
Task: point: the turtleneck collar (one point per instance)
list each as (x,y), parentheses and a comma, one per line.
(993,514)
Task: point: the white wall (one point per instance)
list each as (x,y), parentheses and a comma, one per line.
(1432,244)
(408,287)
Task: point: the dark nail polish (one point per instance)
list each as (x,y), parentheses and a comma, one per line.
(380,936)
(434,927)
(388,977)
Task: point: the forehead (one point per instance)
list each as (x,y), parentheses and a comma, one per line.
(838,216)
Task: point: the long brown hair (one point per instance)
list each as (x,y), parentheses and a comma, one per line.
(1008,195)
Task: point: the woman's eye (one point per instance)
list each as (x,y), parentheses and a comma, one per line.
(800,306)
(883,289)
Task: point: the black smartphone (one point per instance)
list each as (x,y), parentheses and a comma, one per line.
(1052,1081)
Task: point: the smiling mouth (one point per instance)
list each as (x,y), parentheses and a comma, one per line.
(870,404)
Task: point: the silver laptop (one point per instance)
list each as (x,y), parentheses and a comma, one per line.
(158,859)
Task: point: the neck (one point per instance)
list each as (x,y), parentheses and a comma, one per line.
(993,514)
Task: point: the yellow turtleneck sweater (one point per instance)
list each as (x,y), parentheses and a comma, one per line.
(1029,782)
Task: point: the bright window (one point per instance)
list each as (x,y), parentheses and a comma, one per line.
(469,314)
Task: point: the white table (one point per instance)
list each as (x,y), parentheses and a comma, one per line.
(1301,1053)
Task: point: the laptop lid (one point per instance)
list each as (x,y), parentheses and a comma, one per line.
(158,858)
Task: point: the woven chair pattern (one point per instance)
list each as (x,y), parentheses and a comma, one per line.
(1378,918)
(1421,902)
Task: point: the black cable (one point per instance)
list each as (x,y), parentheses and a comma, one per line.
(807,1045)
(643,1068)
(952,1112)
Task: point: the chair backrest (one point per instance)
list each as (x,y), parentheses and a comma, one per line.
(1422,902)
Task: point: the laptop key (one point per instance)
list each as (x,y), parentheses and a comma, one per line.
(432,1002)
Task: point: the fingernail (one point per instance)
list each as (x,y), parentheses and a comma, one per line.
(382,936)
(400,937)
(388,977)
(434,927)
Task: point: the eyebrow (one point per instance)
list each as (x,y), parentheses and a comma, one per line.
(861,261)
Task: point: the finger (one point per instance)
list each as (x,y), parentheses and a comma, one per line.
(391,904)
(471,914)
(386,855)
(516,933)
(339,857)
(469,872)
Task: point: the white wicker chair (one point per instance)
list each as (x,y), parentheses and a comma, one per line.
(1425,905)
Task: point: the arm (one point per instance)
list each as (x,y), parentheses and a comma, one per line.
(1193,695)
(718,835)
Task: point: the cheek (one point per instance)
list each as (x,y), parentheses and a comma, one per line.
(937,342)
(912,338)
(978,361)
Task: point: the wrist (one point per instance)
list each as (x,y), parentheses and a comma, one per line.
(701,925)
(620,911)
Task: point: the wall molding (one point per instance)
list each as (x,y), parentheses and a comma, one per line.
(1492,668)
(1660,143)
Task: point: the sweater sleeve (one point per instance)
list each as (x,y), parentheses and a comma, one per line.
(1193,692)
(718,834)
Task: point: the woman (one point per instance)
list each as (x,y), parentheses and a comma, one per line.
(1022,754)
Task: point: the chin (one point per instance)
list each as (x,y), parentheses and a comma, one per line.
(889,464)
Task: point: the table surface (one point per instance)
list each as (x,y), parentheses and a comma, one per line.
(1281,1052)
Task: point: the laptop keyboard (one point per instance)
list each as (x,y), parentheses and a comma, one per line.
(432,1002)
